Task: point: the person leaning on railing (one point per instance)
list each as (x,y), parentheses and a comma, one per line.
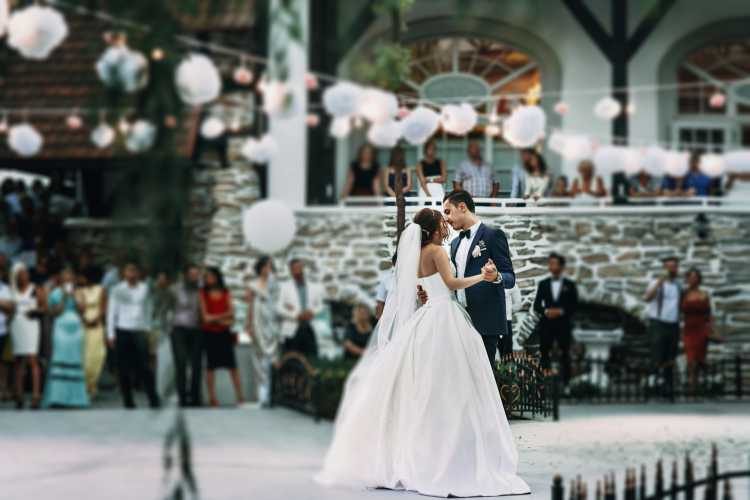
(363,176)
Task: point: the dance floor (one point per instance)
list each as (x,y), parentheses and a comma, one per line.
(249,453)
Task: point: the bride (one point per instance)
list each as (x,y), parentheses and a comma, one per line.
(421,410)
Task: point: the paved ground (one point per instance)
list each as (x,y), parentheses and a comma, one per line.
(272,454)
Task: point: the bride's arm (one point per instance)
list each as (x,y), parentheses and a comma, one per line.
(443,265)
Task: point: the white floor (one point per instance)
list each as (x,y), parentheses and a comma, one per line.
(272,454)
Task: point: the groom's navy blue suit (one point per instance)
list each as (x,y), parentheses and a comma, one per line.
(485,301)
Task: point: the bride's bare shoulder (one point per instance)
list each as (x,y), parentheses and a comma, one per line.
(432,249)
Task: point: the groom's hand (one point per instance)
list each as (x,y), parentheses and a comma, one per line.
(421,295)
(489,271)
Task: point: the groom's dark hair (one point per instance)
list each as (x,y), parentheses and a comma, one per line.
(460,196)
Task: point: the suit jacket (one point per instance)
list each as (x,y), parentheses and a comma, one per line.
(485,302)
(567,300)
(288,306)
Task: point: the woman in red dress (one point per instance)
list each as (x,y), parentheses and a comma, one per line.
(696,310)
(217,317)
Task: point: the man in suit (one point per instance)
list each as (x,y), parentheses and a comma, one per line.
(556,301)
(299,302)
(477,245)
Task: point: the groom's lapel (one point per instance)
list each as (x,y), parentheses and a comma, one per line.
(454,249)
(477,237)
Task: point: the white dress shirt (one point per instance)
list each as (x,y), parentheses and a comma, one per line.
(462,258)
(556,286)
(670,307)
(128,308)
(385,285)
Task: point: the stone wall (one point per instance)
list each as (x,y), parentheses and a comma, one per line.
(611,256)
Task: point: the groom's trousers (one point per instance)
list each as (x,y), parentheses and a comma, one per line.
(490,344)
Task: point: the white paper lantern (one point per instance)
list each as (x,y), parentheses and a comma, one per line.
(102,136)
(25,140)
(141,137)
(654,161)
(385,135)
(458,119)
(4,13)
(717,100)
(121,67)
(561,108)
(419,126)
(737,162)
(342,99)
(268,226)
(377,106)
(607,108)
(676,164)
(609,160)
(525,126)
(212,127)
(577,147)
(36,31)
(74,121)
(259,151)
(340,127)
(242,75)
(712,165)
(403,112)
(197,79)
(632,160)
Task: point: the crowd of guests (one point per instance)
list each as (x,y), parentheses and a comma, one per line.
(530,178)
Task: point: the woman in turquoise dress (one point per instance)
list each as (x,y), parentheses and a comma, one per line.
(65,385)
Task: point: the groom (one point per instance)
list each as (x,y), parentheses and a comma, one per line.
(476,245)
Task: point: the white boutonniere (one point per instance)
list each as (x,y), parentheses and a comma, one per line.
(482,246)
(476,252)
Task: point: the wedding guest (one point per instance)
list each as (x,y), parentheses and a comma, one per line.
(299,303)
(6,311)
(128,321)
(556,302)
(587,184)
(65,385)
(663,297)
(362,178)
(217,318)
(358,332)
(642,185)
(93,299)
(697,183)
(671,186)
(475,175)
(560,188)
(30,304)
(698,325)
(537,179)
(262,323)
(384,287)
(186,337)
(519,173)
(513,303)
(11,242)
(397,161)
(431,173)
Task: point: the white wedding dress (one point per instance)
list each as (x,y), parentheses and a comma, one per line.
(421,410)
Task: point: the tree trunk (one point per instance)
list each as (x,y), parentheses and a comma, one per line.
(399,185)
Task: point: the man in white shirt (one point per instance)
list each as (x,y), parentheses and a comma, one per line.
(384,288)
(513,302)
(128,320)
(663,296)
(299,304)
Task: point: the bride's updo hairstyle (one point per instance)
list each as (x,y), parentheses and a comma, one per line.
(431,221)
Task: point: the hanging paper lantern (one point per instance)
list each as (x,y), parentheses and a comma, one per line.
(607,108)
(654,161)
(492,130)
(561,107)
(275,97)
(311,81)
(36,31)
(377,106)
(609,160)
(312,120)
(259,151)
(712,165)
(676,164)
(570,147)
(25,140)
(717,100)
(403,112)
(525,126)
(212,127)
(141,137)
(74,121)
(737,162)
(4,13)
(386,134)
(102,136)
(556,142)
(458,119)
(121,67)
(419,126)
(268,226)
(197,79)
(342,99)
(631,160)
(340,127)
(242,75)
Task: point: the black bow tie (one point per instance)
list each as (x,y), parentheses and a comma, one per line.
(465,234)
